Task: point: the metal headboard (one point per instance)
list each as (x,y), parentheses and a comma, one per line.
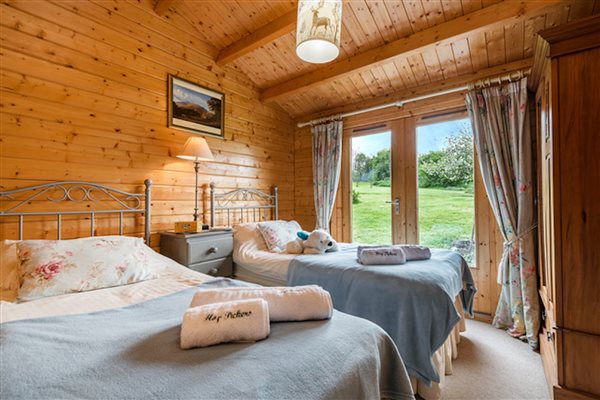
(78,192)
(225,203)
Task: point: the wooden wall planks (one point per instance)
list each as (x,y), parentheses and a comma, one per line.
(304,208)
(83,96)
(489,245)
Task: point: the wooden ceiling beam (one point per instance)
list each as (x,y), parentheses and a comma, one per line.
(480,20)
(162,6)
(431,88)
(266,34)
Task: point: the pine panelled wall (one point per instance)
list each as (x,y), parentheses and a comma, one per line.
(84,91)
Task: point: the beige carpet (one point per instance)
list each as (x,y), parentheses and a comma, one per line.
(492,365)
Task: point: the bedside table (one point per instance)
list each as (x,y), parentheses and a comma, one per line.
(206,252)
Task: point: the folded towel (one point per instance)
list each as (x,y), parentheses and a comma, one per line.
(415,252)
(384,255)
(233,321)
(298,303)
(412,252)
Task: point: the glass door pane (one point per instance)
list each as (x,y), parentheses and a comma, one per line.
(371,189)
(445,186)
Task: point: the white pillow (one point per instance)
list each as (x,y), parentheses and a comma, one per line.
(54,267)
(278,233)
(248,233)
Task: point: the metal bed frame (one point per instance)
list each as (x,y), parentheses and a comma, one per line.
(224,204)
(79,192)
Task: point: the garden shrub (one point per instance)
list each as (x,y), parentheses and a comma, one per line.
(355,196)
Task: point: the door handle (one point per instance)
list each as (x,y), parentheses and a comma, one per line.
(396,203)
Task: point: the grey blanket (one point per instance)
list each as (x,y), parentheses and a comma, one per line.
(133,353)
(413,302)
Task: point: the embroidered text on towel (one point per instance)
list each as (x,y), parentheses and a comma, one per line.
(228,315)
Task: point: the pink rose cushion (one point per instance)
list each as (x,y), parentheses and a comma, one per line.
(278,233)
(54,267)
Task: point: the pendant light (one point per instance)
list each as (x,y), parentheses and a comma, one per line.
(318,30)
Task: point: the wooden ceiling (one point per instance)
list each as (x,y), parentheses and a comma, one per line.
(390,49)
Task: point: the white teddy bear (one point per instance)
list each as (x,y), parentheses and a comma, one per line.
(317,242)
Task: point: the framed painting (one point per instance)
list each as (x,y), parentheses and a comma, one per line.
(195,109)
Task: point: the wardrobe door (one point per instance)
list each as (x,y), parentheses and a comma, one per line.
(579,137)
(577,143)
(546,206)
(548,347)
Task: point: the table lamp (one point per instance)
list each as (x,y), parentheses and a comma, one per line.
(196,149)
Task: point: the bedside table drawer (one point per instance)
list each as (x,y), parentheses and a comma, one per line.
(220,267)
(206,250)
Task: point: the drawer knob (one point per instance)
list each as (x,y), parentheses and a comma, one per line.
(214,271)
(213,250)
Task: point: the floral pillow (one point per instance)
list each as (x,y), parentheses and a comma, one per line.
(278,233)
(54,267)
(8,265)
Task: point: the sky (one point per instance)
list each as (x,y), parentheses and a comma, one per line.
(429,137)
(184,95)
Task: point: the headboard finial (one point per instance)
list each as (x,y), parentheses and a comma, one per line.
(148,183)
(212,185)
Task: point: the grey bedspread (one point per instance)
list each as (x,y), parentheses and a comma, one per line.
(133,353)
(413,302)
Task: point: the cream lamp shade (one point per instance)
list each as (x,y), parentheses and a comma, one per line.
(318,30)
(196,149)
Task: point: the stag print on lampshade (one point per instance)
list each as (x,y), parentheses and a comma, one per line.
(318,30)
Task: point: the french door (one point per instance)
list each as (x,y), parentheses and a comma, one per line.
(380,183)
(446,184)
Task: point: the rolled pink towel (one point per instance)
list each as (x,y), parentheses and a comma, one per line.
(296,303)
(384,255)
(233,321)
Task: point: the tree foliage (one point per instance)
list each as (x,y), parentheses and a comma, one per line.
(425,160)
(381,167)
(361,168)
(451,166)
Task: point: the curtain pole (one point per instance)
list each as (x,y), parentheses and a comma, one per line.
(400,103)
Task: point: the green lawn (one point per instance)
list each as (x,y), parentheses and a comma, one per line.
(445,215)
(371,217)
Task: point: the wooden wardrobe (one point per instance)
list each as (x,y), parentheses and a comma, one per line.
(566,80)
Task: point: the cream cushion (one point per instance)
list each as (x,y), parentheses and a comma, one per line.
(278,233)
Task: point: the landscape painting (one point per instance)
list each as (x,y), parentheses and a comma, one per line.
(195,108)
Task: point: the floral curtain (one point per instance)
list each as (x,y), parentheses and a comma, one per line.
(327,163)
(504,143)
